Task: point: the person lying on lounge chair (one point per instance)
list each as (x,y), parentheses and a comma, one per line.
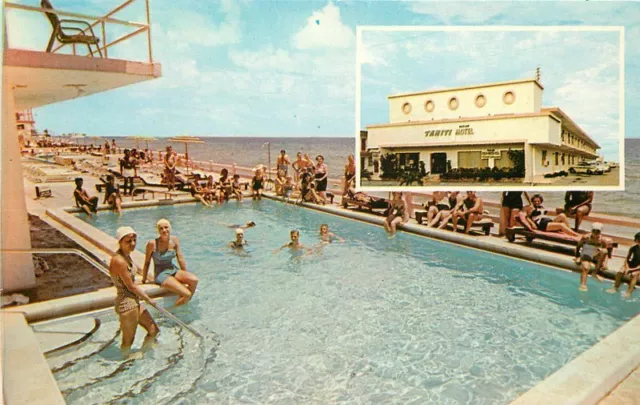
(472,209)
(363,198)
(591,253)
(537,218)
(112,194)
(630,267)
(439,202)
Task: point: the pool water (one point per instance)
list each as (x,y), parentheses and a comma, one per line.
(374,320)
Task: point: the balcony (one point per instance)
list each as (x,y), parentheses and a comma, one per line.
(43,70)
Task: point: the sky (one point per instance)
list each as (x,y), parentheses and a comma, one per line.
(288,68)
(580,70)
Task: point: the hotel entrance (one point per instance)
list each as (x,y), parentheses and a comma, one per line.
(438,163)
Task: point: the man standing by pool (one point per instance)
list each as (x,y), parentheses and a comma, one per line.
(170,168)
(282,162)
(590,254)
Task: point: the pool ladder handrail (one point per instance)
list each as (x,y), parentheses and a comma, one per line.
(103,268)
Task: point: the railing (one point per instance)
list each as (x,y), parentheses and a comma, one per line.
(94,21)
(103,268)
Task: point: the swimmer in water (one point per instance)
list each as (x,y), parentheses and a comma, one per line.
(248,225)
(328,237)
(240,242)
(294,245)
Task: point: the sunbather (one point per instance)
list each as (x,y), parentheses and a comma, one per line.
(112,194)
(590,254)
(577,204)
(439,202)
(88,204)
(397,213)
(472,210)
(538,219)
(631,267)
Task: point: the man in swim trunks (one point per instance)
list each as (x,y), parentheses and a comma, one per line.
(577,204)
(590,254)
(282,162)
(631,267)
(472,209)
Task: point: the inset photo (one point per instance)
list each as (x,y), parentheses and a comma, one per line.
(474,108)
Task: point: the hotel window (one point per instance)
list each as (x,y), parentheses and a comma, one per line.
(20,126)
(509,97)
(406,108)
(544,157)
(480,101)
(562,159)
(429,106)
(409,159)
(453,103)
(557,155)
(504,161)
(471,160)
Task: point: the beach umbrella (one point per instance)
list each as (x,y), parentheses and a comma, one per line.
(186,140)
(78,136)
(139,138)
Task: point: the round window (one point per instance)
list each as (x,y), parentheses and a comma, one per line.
(453,103)
(509,97)
(406,108)
(480,101)
(429,106)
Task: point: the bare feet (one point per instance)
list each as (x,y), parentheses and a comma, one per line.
(583,288)
(612,290)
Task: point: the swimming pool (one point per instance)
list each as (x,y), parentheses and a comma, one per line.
(373,320)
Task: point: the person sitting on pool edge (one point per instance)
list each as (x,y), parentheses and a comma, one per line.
(257,187)
(398,213)
(631,267)
(127,304)
(239,243)
(328,237)
(163,250)
(590,254)
(88,204)
(112,194)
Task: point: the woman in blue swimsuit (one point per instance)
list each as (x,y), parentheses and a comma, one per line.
(163,250)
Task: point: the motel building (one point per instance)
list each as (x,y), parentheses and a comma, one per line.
(474,127)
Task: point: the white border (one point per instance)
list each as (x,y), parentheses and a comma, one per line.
(506,186)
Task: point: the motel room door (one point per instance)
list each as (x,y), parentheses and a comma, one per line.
(438,163)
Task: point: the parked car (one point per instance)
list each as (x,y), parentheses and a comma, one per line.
(587,168)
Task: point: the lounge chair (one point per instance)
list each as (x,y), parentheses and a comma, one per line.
(79,36)
(530,234)
(362,200)
(485,224)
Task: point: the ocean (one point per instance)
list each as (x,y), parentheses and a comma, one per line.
(246,151)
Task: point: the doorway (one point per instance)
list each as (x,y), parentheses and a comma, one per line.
(438,163)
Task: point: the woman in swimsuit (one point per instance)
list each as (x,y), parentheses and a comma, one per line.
(538,219)
(239,243)
(235,187)
(256,185)
(163,250)
(322,172)
(128,307)
(88,204)
(510,207)
(326,236)
(398,213)
(349,174)
(591,254)
(198,193)
(439,202)
(225,186)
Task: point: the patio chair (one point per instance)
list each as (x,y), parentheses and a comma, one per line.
(62,25)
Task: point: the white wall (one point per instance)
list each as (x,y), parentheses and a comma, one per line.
(537,129)
(17,269)
(528,99)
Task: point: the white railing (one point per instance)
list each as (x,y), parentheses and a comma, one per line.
(95,21)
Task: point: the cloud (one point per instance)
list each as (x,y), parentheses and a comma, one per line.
(466,12)
(324,29)
(189,28)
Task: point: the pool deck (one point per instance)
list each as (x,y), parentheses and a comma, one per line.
(607,372)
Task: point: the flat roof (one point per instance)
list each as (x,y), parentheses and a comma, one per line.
(477,86)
